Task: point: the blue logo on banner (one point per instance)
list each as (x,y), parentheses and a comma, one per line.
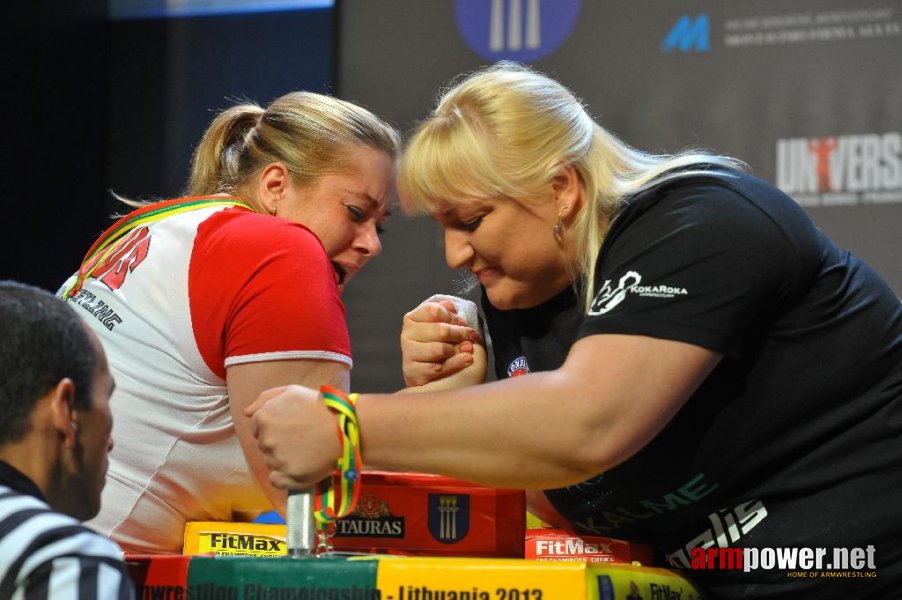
(449,517)
(688,34)
(519,30)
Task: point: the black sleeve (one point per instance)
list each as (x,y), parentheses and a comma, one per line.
(701,263)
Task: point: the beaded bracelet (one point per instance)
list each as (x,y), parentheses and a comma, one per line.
(349,463)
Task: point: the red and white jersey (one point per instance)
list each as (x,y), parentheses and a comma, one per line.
(178,301)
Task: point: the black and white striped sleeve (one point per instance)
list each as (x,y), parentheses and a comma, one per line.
(44,554)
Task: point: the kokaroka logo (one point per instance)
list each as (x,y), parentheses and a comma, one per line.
(797,562)
(841,170)
(611,295)
(518,367)
(521,30)
(371,518)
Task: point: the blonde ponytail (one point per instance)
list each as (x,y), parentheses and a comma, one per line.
(215,165)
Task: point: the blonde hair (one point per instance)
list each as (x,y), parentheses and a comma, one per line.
(505,131)
(309,133)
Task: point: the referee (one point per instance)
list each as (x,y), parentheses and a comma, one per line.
(55,427)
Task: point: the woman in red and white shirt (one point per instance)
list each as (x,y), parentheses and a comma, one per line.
(203,302)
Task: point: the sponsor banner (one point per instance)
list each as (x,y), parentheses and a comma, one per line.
(830,25)
(234,539)
(243,578)
(501,579)
(398,513)
(479,579)
(398,578)
(157,576)
(630,582)
(841,170)
(558,545)
(422,514)
(692,32)
(663,77)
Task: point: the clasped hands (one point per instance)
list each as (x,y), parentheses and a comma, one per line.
(297,432)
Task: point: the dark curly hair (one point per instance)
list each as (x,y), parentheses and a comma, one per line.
(42,341)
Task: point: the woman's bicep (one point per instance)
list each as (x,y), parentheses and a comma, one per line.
(247,381)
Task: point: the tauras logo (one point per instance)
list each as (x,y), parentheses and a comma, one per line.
(609,296)
(385,527)
(371,518)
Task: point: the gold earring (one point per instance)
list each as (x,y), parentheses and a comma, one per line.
(273,209)
(558,230)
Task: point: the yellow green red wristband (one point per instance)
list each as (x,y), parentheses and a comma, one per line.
(349,463)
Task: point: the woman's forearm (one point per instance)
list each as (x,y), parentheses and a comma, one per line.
(611,397)
(516,433)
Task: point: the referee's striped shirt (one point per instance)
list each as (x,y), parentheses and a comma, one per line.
(45,554)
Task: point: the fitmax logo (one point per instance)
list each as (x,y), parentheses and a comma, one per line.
(688,35)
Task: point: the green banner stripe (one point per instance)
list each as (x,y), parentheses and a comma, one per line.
(254,578)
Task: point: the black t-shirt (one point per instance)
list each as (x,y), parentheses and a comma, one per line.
(795,440)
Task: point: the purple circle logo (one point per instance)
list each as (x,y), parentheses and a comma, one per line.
(519,30)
